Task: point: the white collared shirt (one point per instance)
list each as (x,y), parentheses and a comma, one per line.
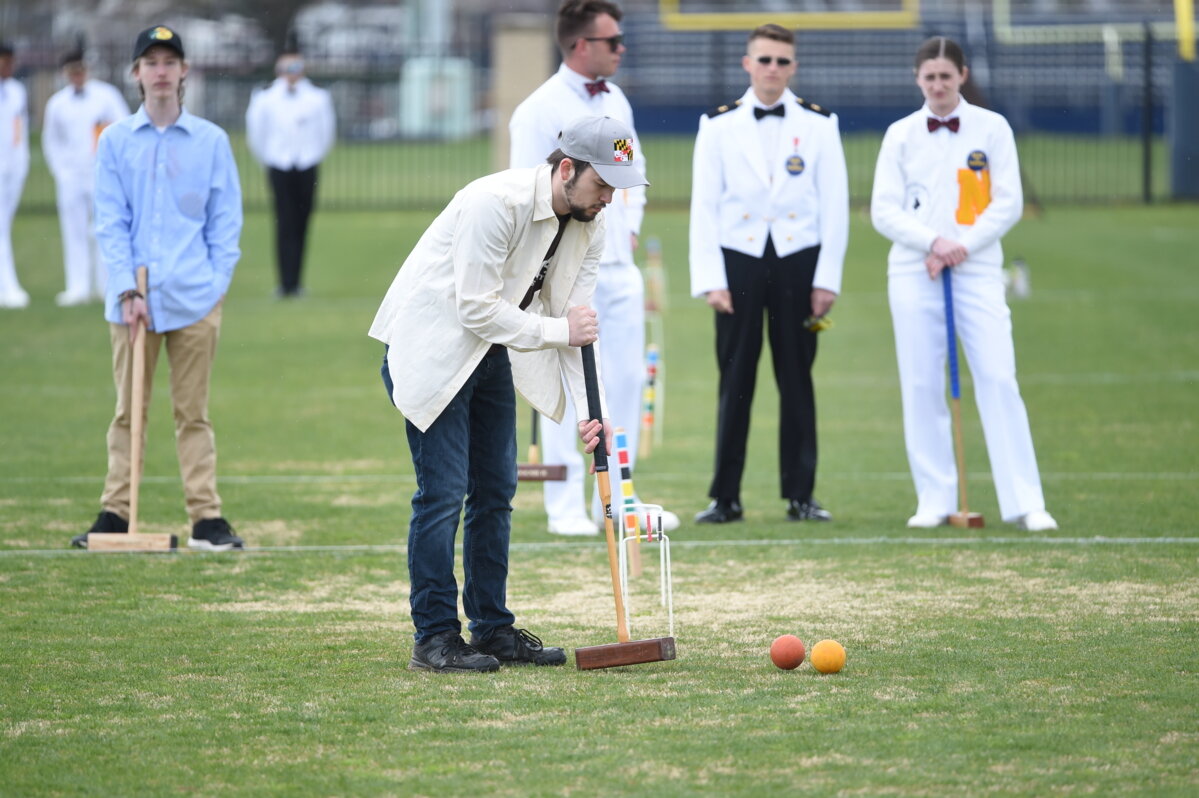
(290,128)
(919,192)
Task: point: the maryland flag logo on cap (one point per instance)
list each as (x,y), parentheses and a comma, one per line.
(622,150)
(162,34)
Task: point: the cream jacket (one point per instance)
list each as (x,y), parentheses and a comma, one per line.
(460,290)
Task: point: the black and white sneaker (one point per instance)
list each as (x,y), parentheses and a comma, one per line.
(807,511)
(214,534)
(518,647)
(447,652)
(105,522)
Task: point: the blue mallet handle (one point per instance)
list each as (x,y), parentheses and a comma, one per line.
(951,335)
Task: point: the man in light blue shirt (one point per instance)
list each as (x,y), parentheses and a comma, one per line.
(167,198)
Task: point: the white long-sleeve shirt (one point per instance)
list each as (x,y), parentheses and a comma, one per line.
(964,186)
(290,128)
(14,129)
(534,129)
(72,125)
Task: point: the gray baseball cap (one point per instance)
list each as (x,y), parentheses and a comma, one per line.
(607,145)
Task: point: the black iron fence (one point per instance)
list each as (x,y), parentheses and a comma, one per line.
(414,125)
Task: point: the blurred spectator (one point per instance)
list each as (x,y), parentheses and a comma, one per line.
(290,127)
(75,117)
(14,165)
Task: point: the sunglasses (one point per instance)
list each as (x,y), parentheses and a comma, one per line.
(613,41)
(765,60)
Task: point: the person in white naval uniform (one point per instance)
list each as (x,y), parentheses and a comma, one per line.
(14,165)
(769,229)
(589,37)
(75,116)
(946,188)
(290,128)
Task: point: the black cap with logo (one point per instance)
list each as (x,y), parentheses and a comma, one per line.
(159,35)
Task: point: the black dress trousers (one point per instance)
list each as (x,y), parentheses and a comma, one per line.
(777,291)
(295,193)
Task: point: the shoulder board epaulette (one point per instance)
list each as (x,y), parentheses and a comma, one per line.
(721,109)
(811,106)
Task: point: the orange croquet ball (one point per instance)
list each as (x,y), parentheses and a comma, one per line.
(828,656)
(787,652)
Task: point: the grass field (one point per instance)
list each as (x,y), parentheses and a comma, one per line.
(980,662)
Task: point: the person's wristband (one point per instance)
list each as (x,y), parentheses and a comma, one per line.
(132,293)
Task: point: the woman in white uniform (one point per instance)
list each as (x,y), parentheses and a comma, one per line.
(946,188)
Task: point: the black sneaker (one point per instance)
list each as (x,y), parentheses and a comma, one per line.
(807,511)
(105,522)
(447,652)
(214,534)
(518,647)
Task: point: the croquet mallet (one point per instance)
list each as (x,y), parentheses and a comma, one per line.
(135,540)
(623,652)
(963,517)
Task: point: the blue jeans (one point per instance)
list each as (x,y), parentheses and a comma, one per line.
(469,451)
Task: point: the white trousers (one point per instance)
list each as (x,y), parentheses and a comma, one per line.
(85,272)
(620,305)
(10,195)
(984,326)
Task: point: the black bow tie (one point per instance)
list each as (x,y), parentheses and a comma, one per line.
(777,110)
(953,124)
(595,87)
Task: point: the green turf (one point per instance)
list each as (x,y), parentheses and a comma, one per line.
(981,662)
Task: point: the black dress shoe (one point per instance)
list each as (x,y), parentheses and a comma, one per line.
(720,512)
(807,511)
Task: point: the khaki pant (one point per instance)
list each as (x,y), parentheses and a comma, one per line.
(190,351)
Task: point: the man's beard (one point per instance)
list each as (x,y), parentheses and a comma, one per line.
(580,213)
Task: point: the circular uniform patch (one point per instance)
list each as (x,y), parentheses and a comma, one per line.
(977,160)
(795,165)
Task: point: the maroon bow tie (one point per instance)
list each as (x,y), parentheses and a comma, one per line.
(596,87)
(953,124)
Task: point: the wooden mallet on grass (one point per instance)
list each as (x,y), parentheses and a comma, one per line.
(135,540)
(963,517)
(623,652)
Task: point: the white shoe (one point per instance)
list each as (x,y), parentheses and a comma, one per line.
(68,300)
(926,521)
(1037,521)
(573,526)
(670,521)
(15,299)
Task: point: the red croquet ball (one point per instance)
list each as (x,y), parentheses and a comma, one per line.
(787,652)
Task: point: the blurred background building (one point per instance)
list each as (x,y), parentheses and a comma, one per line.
(1088,85)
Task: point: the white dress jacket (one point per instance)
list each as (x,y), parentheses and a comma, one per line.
(459,292)
(964,186)
(799,199)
